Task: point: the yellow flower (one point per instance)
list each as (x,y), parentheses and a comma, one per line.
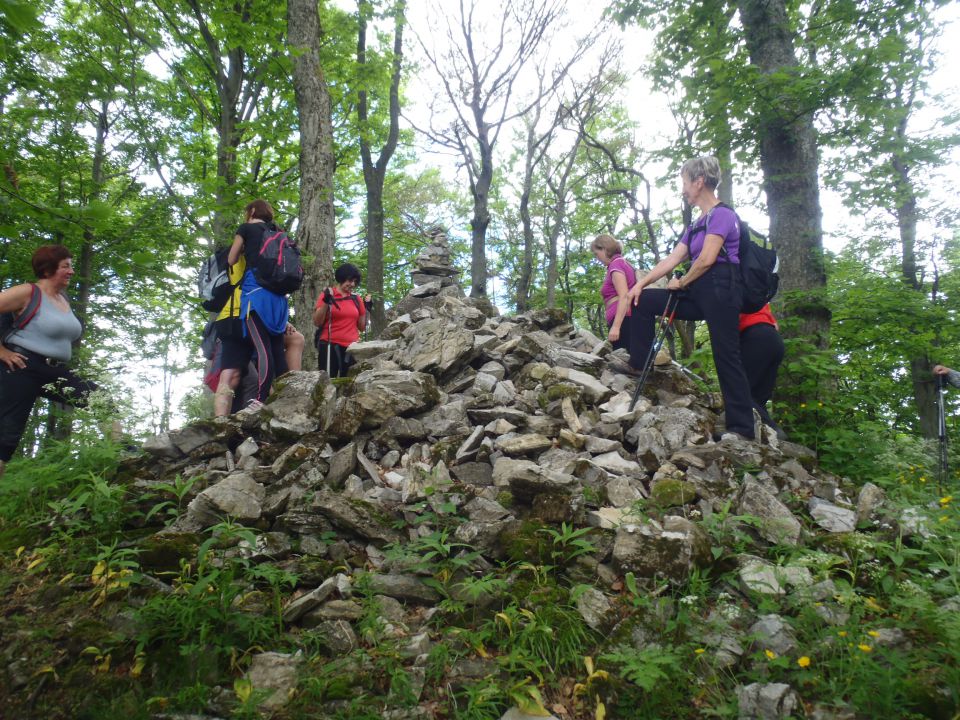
(771,655)
(922,479)
(803,661)
(699,651)
(944,518)
(842,633)
(873,633)
(944,501)
(819,404)
(803,405)
(865,648)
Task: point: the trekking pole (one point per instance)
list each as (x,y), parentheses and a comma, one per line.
(669,310)
(943,469)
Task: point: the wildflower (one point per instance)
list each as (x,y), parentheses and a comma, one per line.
(803,661)
(771,655)
(865,648)
(923,479)
(944,501)
(819,404)
(944,518)
(873,633)
(842,633)
(699,651)
(803,405)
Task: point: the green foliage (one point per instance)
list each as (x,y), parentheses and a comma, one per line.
(200,620)
(31,487)
(569,543)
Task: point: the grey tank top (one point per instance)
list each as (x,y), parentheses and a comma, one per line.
(50,332)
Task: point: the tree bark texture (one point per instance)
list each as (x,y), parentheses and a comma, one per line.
(789,158)
(921,368)
(315,232)
(374,173)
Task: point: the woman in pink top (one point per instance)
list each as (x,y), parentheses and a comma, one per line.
(619,279)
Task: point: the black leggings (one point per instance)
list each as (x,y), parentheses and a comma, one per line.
(270,360)
(761,350)
(340,359)
(716,296)
(19,390)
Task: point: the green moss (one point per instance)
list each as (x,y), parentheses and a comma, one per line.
(446,448)
(163,552)
(673,493)
(524,543)
(562,390)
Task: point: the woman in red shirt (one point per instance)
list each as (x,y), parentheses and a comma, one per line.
(761,352)
(339,316)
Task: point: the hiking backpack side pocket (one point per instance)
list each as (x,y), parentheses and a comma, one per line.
(213,281)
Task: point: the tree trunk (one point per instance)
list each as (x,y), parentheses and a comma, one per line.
(526,268)
(481,218)
(921,375)
(374,174)
(315,233)
(789,157)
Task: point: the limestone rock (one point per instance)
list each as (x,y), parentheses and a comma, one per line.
(275,673)
(383,394)
(770,632)
(767,701)
(434,346)
(297,402)
(777,523)
(831,517)
(237,496)
(671,550)
(355,516)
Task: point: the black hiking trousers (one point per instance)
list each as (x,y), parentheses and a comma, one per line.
(716,296)
(761,350)
(19,390)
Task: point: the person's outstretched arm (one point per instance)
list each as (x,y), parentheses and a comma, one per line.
(952,376)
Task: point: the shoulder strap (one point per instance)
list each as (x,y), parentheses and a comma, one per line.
(723,247)
(33,305)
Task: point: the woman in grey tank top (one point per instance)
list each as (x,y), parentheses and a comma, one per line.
(35,356)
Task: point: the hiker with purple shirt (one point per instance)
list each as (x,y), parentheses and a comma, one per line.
(710,290)
(620,277)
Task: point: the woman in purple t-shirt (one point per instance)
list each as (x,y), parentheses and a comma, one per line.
(711,290)
(619,279)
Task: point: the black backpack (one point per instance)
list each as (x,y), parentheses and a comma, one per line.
(278,268)
(213,281)
(758,268)
(11,322)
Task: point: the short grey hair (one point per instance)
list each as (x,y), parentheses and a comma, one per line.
(705,166)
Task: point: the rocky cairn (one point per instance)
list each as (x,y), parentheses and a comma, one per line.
(509,423)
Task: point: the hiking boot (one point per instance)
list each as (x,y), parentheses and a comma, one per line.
(624,369)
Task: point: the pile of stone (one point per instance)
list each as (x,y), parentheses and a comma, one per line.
(433,263)
(502,420)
